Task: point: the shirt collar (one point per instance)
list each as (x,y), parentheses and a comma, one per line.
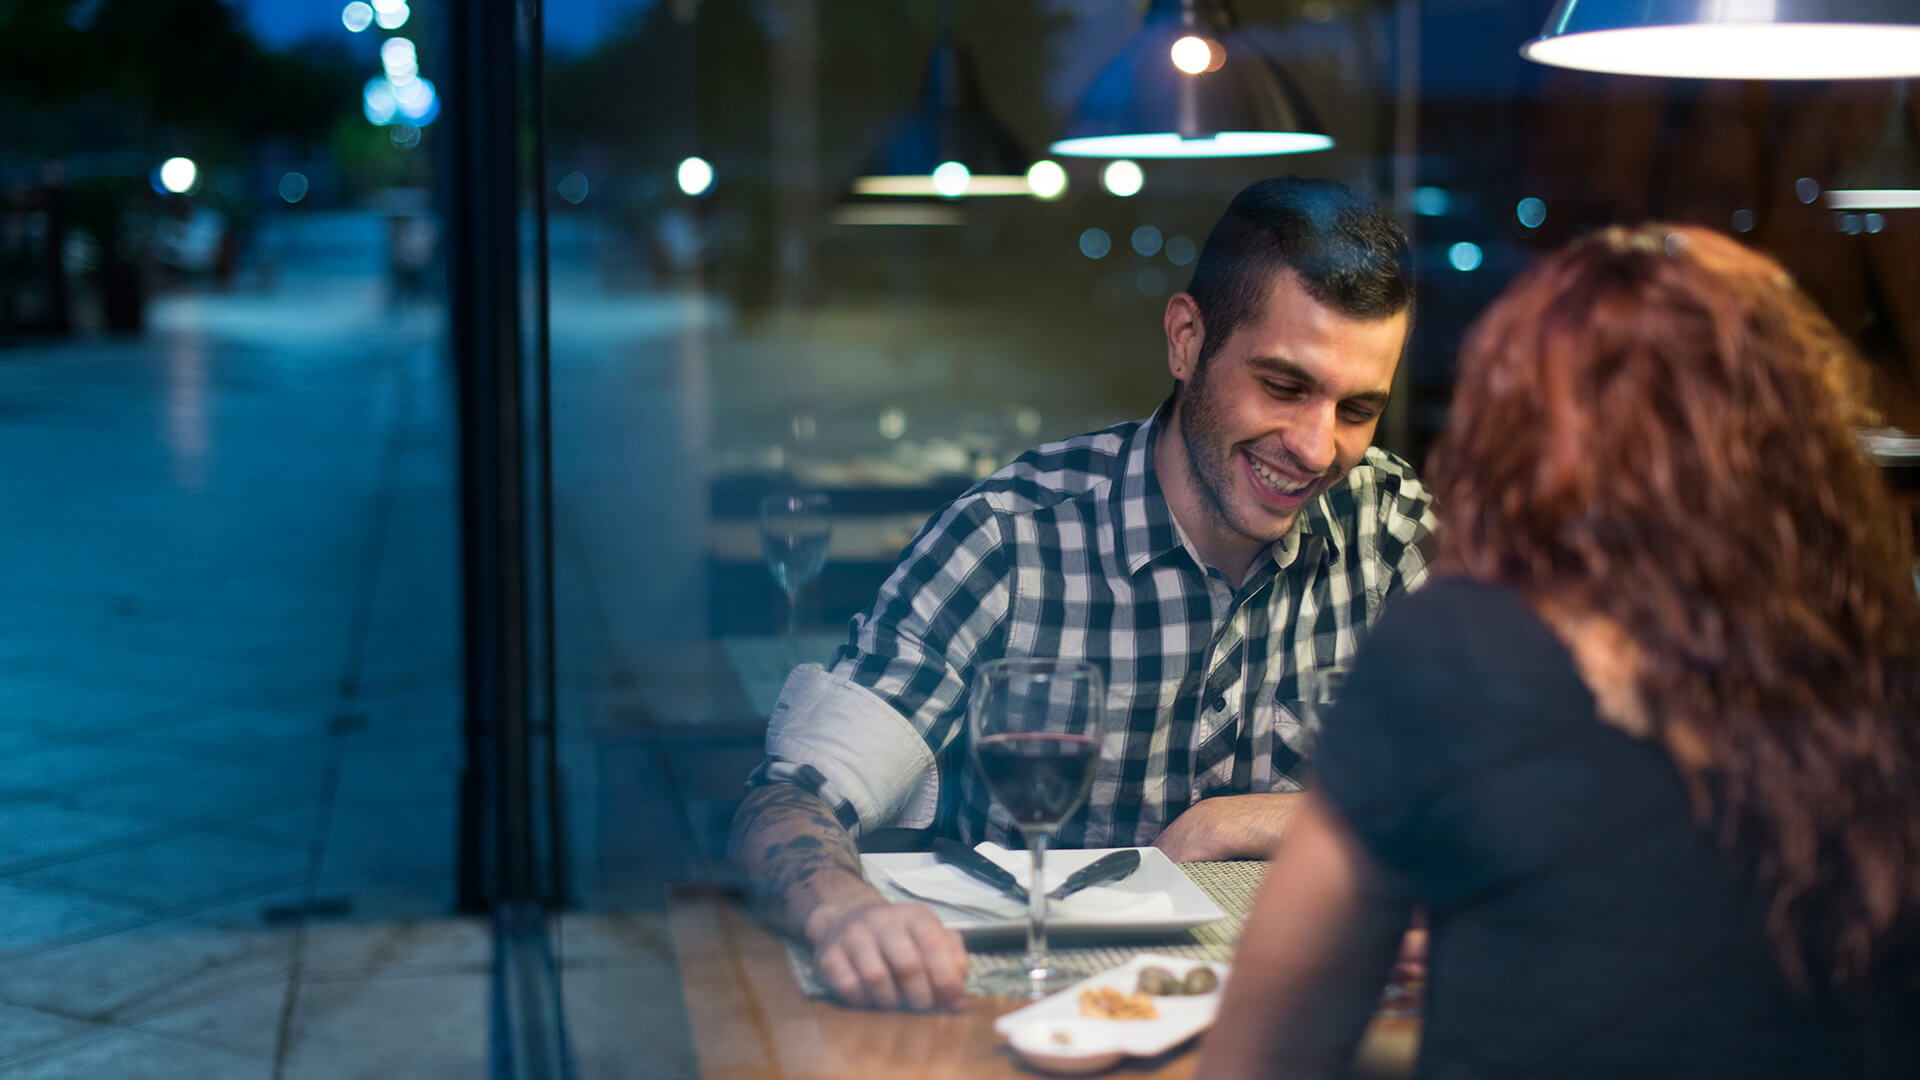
(1146,529)
(1318,519)
(1144,524)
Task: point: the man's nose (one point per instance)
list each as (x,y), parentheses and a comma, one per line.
(1310,439)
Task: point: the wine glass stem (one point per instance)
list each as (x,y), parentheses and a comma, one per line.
(1037,913)
(793,628)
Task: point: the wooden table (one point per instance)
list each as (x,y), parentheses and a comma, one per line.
(751,1021)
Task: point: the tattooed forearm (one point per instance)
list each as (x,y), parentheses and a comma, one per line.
(792,850)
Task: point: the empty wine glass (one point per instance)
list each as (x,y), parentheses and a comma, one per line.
(1036,728)
(794,530)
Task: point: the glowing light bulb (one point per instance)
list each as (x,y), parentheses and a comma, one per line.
(1123,178)
(1192,55)
(178,175)
(1047,179)
(695,176)
(951,179)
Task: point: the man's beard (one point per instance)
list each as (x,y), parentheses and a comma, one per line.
(1210,459)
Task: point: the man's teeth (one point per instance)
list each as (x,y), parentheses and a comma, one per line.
(1274,482)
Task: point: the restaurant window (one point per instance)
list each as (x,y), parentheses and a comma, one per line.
(737,313)
(392,394)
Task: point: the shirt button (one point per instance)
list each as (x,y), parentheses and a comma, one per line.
(1219,703)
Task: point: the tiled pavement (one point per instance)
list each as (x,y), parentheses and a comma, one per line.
(229,691)
(228,699)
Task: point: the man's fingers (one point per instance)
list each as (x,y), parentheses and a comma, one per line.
(837,972)
(876,979)
(946,961)
(891,956)
(901,950)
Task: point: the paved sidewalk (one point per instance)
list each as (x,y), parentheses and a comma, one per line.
(229,700)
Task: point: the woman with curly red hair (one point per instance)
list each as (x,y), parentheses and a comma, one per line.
(1647,749)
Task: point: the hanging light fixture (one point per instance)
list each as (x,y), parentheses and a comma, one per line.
(948,147)
(1733,39)
(1188,85)
(1887,176)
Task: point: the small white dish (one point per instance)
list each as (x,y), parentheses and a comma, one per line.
(1069,1047)
(1182,1016)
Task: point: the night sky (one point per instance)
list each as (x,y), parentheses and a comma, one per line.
(571,24)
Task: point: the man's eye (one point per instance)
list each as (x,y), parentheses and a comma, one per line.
(1285,391)
(1358,414)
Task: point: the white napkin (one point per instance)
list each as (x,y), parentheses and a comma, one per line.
(946,884)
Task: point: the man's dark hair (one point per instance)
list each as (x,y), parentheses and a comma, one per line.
(1349,255)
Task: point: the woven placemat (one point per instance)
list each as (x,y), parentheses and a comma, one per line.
(1229,884)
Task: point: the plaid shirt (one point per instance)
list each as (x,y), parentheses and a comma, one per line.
(1071,551)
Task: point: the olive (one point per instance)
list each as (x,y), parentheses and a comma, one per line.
(1158,980)
(1200,980)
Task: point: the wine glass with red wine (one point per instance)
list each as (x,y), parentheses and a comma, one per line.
(1036,729)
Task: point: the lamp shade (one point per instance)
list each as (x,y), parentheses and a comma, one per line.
(1733,39)
(1142,105)
(949,145)
(1887,176)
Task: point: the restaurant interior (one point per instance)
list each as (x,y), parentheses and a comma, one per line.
(391,393)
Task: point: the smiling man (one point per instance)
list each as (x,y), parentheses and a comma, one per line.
(1202,558)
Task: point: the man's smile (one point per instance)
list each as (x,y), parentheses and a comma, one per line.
(1276,487)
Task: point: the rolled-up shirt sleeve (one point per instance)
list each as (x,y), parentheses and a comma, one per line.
(866,737)
(840,741)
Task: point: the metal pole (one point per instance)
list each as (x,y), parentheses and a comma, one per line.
(480,192)
(1396,426)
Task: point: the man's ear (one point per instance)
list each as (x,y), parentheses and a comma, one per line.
(1185,332)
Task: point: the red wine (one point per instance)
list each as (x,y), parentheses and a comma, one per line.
(1039,777)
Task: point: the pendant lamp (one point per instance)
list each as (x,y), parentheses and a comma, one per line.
(1188,85)
(1733,39)
(1887,176)
(949,146)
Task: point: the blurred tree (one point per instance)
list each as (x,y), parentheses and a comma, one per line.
(150,68)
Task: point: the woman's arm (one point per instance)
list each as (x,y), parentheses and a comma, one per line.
(1312,959)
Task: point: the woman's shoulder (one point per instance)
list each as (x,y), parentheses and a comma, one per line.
(1456,603)
(1457,634)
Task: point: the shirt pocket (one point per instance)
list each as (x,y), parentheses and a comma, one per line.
(1282,740)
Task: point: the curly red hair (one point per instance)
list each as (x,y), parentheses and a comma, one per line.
(1657,428)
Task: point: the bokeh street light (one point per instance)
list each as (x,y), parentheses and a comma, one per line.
(695,176)
(179,174)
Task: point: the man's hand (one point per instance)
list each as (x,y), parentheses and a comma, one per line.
(1228,827)
(887,956)
(806,878)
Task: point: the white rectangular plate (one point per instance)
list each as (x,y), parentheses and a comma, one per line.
(1181,1016)
(1157,873)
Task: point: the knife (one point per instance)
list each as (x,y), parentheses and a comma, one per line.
(977,866)
(1110,867)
